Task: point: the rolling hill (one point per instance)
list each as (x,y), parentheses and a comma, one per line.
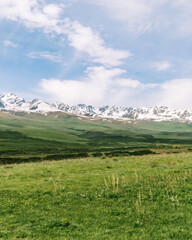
(57,135)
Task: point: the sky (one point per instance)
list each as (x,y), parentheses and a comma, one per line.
(98,52)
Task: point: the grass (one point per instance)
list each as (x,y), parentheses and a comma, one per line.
(34,137)
(113,193)
(134,197)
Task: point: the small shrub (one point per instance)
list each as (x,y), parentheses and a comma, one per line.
(142,152)
(96,154)
(103,156)
(154,164)
(109,167)
(115,159)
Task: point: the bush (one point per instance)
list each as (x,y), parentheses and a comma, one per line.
(103,156)
(154,164)
(66,156)
(98,154)
(142,152)
(19,160)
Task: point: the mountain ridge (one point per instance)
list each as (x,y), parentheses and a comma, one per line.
(9,102)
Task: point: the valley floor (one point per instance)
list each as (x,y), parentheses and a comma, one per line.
(134,197)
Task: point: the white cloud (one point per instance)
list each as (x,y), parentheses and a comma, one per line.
(128,83)
(93,89)
(135,13)
(8,43)
(34,14)
(46,55)
(30,12)
(84,39)
(162,65)
(53,11)
(176,93)
(102,86)
(145,15)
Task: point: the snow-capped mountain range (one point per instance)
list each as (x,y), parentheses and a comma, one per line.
(11,103)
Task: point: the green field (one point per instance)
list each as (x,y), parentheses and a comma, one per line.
(127,180)
(134,197)
(34,137)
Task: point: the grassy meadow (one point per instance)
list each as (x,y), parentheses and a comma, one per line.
(115,180)
(133,197)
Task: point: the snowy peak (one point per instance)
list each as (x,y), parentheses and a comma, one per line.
(39,106)
(10,99)
(10,102)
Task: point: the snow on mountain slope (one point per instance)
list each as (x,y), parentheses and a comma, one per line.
(10,102)
(39,106)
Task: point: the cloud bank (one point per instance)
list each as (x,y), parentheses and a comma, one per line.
(106,86)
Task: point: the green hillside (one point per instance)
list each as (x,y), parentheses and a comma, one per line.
(33,137)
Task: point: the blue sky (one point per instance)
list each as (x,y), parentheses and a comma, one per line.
(100,52)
